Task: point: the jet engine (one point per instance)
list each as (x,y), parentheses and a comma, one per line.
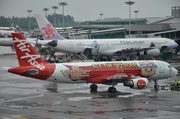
(139,83)
(151,52)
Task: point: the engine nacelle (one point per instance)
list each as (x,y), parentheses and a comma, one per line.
(139,83)
(151,52)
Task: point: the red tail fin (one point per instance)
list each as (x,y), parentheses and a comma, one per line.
(26,54)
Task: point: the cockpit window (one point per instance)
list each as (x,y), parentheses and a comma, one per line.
(169,66)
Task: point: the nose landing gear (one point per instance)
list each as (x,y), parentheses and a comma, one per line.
(156,86)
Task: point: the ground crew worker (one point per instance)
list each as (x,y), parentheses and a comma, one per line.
(178,82)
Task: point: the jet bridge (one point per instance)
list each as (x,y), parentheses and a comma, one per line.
(98,34)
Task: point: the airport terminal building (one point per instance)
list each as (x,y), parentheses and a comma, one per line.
(168,27)
(140,27)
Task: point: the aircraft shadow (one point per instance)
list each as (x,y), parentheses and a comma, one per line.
(106,94)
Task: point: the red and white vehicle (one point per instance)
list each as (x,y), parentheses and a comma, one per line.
(134,74)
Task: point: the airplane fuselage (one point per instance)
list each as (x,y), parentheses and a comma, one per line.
(9,42)
(84,72)
(111,46)
(97,72)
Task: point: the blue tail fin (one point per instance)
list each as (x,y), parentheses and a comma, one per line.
(47,30)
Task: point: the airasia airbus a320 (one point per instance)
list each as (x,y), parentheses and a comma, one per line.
(134,74)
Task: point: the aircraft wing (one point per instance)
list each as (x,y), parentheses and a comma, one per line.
(127,50)
(44,42)
(120,77)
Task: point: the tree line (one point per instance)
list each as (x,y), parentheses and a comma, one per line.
(23,22)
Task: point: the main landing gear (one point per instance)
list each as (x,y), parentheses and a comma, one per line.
(94,87)
(112,89)
(156,86)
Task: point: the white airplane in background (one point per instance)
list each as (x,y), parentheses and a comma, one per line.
(9,42)
(6,31)
(108,47)
(133,74)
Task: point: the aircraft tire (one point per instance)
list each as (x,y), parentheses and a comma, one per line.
(93,87)
(138,54)
(112,90)
(156,86)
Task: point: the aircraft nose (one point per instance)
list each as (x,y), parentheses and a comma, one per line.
(176,45)
(173,45)
(175,71)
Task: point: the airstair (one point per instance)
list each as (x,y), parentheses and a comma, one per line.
(82,56)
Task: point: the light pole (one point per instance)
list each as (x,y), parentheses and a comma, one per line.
(59,20)
(136,12)
(55,7)
(45,10)
(101,14)
(29,19)
(63,4)
(129,3)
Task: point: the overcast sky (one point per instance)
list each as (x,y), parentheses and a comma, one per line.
(85,10)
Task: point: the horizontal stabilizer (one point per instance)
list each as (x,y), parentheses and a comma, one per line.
(6,68)
(44,42)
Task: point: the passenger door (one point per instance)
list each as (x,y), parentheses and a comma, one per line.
(71,46)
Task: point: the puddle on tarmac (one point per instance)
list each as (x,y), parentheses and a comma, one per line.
(143,101)
(76,91)
(79,98)
(1,100)
(23,98)
(177,106)
(131,95)
(22,104)
(20,85)
(18,91)
(159,114)
(96,103)
(110,111)
(56,103)
(4,116)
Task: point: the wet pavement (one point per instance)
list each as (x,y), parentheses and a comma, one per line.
(27,98)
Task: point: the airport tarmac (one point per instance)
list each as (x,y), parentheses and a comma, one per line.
(27,98)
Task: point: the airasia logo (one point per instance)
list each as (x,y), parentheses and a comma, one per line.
(32,58)
(141,84)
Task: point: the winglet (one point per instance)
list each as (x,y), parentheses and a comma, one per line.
(47,30)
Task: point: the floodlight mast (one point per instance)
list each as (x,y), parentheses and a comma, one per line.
(55,7)
(136,12)
(129,3)
(29,19)
(101,14)
(45,10)
(63,4)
